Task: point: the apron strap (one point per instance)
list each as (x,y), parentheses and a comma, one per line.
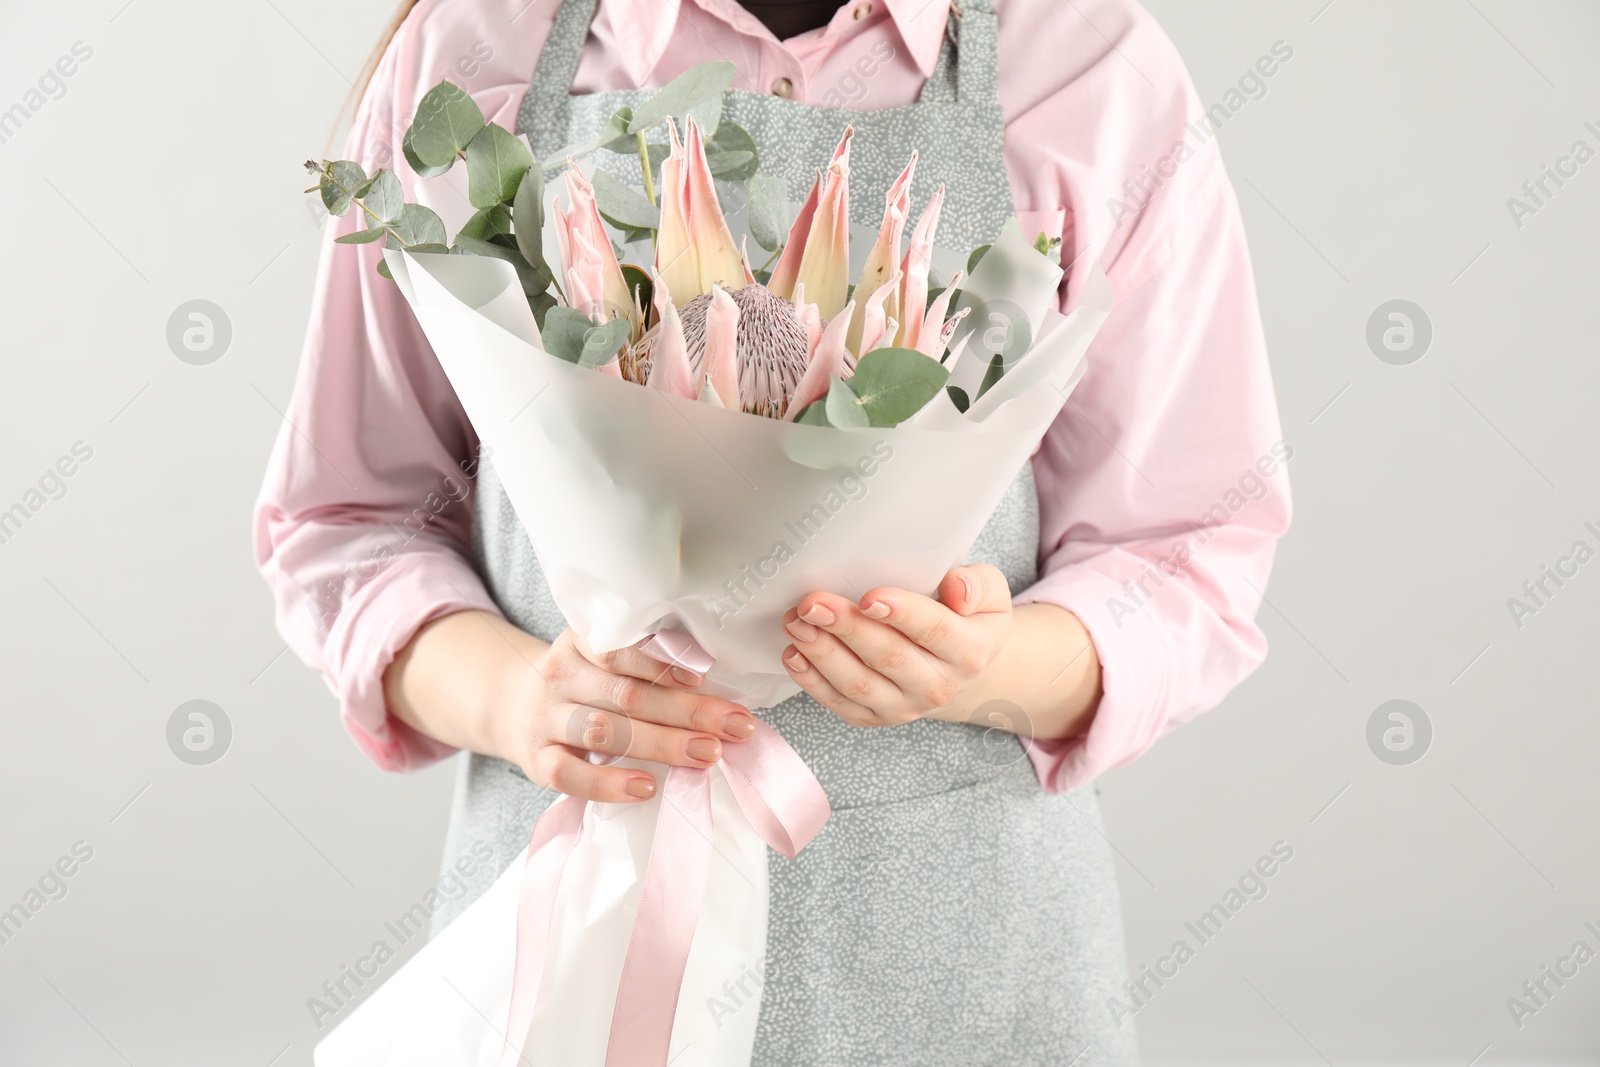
(973,76)
(543,115)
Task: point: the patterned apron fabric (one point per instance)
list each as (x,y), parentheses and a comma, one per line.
(951,913)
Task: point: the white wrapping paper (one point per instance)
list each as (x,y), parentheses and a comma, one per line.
(447,1006)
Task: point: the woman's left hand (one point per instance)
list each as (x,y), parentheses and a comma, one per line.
(898,656)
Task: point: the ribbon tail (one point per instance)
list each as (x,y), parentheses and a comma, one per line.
(554,837)
(663,927)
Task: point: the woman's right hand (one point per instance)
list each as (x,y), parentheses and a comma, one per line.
(475,681)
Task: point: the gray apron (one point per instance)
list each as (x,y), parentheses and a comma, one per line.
(951,913)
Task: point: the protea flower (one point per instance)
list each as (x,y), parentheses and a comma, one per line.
(715,335)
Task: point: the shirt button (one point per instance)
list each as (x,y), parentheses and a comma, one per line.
(783,87)
(862,11)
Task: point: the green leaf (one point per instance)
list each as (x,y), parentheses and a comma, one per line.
(997,368)
(431,247)
(423,170)
(658,154)
(527,218)
(814,415)
(361,237)
(600,344)
(639,282)
(615,137)
(496,161)
(447,121)
(540,304)
(731,166)
(340,183)
(625,207)
(416,226)
(707,114)
(895,383)
(977,257)
(958,397)
(844,408)
(693,87)
(383,269)
(384,197)
(533,281)
(490,222)
(769,211)
(564,333)
(730,141)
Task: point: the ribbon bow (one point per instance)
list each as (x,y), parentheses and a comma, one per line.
(775,790)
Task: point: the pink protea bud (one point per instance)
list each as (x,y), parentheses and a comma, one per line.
(828,363)
(918,262)
(818,250)
(931,342)
(670,371)
(884,259)
(694,248)
(720,364)
(874,318)
(586,249)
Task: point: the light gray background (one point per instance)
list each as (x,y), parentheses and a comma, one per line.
(1377,167)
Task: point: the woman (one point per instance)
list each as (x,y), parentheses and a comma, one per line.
(960,906)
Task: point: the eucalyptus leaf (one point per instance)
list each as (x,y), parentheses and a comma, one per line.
(769,211)
(639,282)
(383,270)
(447,121)
(488,223)
(496,161)
(688,90)
(416,225)
(383,197)
(564,332)
(340,181)
(997,369)
(527,218)
(533,281)
(423,170)
(600,344)
(431,247)
(707,115)
(814,415)
(540,304)
(844,408)
(731,166)
(615,137)
(730,142)
(958,397)
(895,383)
(976,258)
(1019,339)
(658,154)
(361,237)
(624,206)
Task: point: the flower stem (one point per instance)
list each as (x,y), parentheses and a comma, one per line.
(644,165)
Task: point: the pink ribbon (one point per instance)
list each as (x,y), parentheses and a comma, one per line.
(777,793)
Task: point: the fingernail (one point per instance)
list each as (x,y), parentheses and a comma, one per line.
(819,616)
(643,788)
(704,749)
(686,677)
(876,610)
(796,661)
(801,631)
(739,725)
(968,584)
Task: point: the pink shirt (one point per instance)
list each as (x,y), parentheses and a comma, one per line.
(1161,485)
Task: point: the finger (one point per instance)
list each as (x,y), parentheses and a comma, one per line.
(614,734)
(846,673)
(822,691)
(882,648)
(975,588)
(638,699)
(635,663)
(563,769)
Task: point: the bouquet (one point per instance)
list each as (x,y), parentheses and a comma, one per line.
(692,443)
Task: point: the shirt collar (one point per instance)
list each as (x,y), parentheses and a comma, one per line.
(645,29)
